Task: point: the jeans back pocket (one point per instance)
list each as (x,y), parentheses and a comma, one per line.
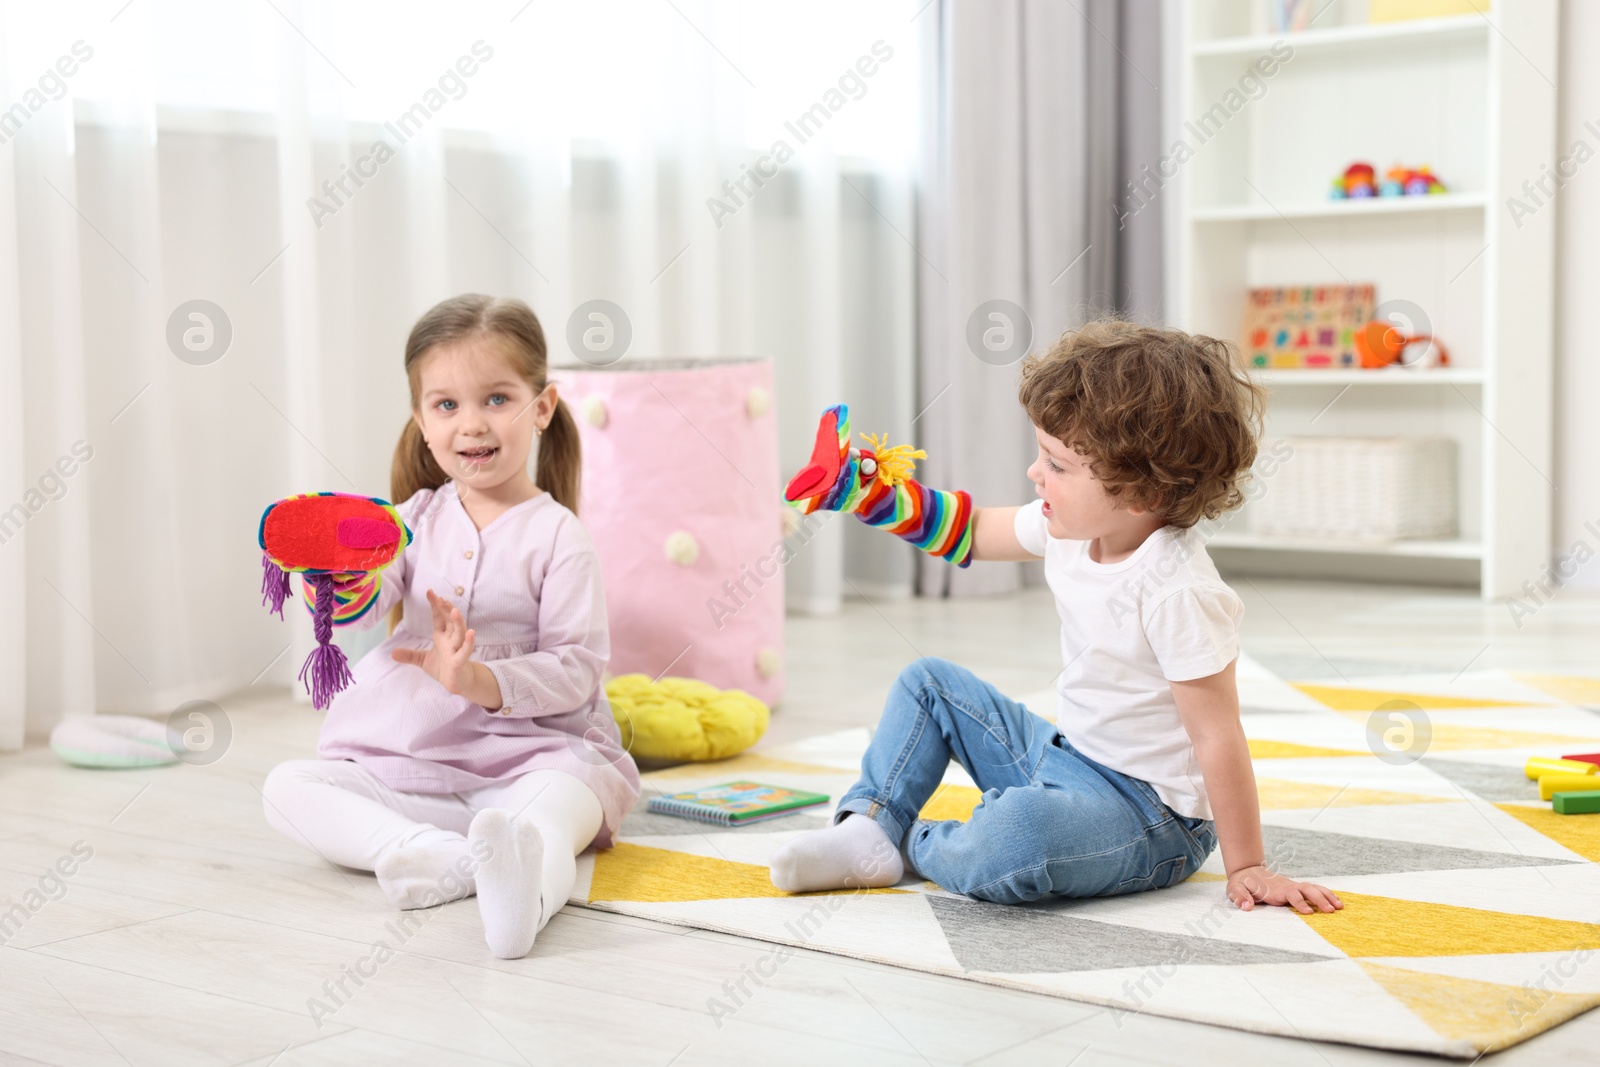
(1202,834)
(1154,811)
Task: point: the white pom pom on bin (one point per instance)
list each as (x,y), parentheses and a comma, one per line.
(682,548)
(768,662)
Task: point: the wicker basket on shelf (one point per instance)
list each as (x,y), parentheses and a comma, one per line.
(1371,489)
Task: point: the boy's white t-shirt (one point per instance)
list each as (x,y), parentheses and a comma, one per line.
(1128,629)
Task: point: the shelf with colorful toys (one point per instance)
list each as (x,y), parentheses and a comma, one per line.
(1360,181)
(1449,110)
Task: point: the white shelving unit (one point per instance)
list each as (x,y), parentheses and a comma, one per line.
(1472,96)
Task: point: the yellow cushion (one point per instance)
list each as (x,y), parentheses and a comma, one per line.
(682,719)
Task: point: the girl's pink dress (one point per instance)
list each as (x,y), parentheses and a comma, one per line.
(529,585)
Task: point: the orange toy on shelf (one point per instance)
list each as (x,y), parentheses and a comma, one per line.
(1379,344)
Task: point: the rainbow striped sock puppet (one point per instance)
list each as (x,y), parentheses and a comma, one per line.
(876,485)
(338,542)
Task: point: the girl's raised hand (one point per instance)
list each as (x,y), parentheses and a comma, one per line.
(449,660)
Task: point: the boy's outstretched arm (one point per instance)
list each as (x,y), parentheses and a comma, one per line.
(1209,708)
(994,535)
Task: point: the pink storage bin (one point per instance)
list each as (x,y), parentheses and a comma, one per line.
(682,499)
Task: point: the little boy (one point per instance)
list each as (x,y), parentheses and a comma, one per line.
(1142,433)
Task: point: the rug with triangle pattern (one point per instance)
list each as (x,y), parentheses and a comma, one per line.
(1470,918)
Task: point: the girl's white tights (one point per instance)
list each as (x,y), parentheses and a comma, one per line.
(513,845)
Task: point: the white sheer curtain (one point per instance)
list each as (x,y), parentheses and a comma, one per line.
(560,153)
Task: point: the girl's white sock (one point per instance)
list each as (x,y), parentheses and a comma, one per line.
(433,868)
(510,881)
(852,853)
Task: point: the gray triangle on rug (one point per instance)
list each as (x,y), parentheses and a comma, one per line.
(1487,780)
(1301,853)
(1042,937)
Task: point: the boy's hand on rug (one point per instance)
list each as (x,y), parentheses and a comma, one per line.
(449,660)
(1248,885)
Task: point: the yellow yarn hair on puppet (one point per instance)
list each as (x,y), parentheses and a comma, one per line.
(895,462)
(682,719)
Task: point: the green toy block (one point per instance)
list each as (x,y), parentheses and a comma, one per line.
(1584,802)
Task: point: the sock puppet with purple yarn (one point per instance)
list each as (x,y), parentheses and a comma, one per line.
(338,542)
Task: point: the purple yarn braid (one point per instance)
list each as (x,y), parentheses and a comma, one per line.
(330,673)
(274,585)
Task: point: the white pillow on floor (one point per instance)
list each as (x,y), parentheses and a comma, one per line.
(112,741)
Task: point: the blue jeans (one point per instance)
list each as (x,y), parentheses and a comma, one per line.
(1052,821)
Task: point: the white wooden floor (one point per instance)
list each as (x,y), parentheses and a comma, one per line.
(195,934)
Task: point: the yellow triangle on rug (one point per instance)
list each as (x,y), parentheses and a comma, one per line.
(1345,698)
(1388,926)
(1580,833)
(1573,689)
(1489,1015)
(656,875)
(951,802)
(1279,795)
(1451,738)
(1260,749)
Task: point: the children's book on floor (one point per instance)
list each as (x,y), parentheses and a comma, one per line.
(736,803)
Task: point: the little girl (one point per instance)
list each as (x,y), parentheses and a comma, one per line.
(456,764)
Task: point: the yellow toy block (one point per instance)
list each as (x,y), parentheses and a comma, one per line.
(1551,784)
(1539,766)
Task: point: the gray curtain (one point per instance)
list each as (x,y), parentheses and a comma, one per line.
(1035,116)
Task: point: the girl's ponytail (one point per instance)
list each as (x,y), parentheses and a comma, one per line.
(560,466)
(414,467)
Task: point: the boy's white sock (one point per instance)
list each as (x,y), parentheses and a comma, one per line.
(851,853)
(434,868)
(509,881)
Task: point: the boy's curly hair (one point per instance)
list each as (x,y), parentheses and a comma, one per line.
(1168,420)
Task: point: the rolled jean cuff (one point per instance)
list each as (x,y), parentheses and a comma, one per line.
(905,846)
(878,812)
